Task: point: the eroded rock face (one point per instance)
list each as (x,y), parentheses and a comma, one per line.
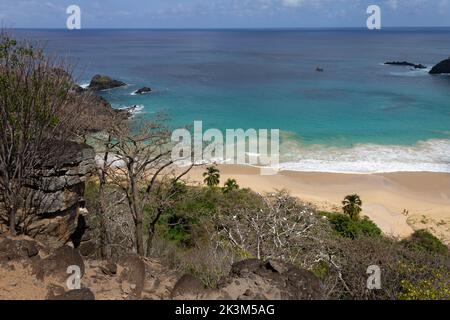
(55,195)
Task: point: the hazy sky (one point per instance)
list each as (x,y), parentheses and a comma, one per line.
(222,13)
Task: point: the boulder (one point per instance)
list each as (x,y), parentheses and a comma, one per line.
(101,82)
(131,270)
(18,249)
(255,280)
(109,268)
(143,90)
(74,295)
(57,263)
(442,67)
(407,64)
(271,280)
(187,285)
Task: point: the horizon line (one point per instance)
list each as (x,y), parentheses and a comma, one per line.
(226,28)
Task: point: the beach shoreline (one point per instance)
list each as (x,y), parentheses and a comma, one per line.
(425,196)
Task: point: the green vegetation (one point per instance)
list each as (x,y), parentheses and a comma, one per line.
(212,177)
(349,228)
(352,206)
(203,230)
(230,185)
(435,287)
(423,240)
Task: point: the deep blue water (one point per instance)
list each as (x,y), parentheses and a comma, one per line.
(357,116)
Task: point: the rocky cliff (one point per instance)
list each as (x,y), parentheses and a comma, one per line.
(55,206)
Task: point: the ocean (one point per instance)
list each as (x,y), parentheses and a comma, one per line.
(357,116)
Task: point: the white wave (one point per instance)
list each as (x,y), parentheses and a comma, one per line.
(84,85)
(425,156)
(412,73)
(133,110)
(137,109)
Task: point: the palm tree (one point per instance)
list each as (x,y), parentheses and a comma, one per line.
(212,176)
(352,206)
(230,185)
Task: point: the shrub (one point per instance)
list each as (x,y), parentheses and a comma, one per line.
(349,228)
(422,240)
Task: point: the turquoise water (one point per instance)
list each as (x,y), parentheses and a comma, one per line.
(357,116)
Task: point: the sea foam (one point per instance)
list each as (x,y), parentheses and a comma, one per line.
(425,156)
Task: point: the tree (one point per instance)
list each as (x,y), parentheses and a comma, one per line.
(212,176)
(139,160)
(230,185)
(38,113)
(352,206)
(271,226)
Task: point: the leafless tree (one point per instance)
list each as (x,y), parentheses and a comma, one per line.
(137,160)
(277,228)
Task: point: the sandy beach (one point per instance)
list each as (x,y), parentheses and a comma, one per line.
(426,196)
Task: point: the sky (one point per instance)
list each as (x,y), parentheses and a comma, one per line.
(222,13)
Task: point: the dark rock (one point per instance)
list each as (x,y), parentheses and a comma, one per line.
(276,266)
(110,268)
(17,249)
(442,67)
(259,279)
(143,90)
(104,114)
(55,290)
(74,295)
(406,64)
(186,285)
(88,248)
(132,275)
(56,264)
(100,82)
(318,69)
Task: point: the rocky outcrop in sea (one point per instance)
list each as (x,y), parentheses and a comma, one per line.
(406,64)
(102,82)
(143,90)
(442,67)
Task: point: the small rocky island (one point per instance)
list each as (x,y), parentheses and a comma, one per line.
(101,82)
(442,67)
(143,90)
(405,64)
